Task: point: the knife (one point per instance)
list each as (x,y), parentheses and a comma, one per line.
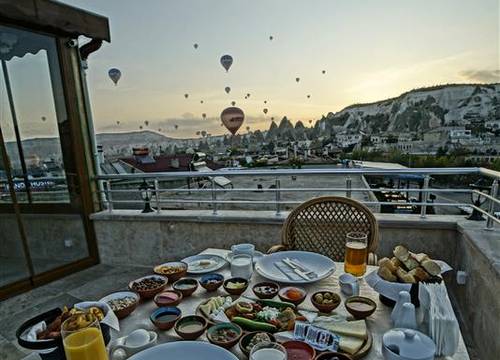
(284,272)
(295,269)
(304,269)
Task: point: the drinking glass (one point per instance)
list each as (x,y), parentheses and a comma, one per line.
(356,253)
(82,338)
(268,351)
(242,266)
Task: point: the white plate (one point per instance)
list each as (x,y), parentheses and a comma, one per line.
(185,350)
(217,262)
(257,255)
(320,264)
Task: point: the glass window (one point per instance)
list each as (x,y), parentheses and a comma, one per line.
(32,114)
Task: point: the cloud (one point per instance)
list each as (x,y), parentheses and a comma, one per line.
(483,76)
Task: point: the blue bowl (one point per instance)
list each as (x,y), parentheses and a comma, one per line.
(211,282)
(164,318)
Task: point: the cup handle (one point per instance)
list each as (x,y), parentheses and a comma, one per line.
(354,288)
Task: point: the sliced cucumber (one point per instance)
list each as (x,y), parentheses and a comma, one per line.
(280,305)
(252,325)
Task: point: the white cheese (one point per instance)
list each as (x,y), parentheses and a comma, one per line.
(355,328)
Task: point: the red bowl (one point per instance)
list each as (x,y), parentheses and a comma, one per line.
(298,350)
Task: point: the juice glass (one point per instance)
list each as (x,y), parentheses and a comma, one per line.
(268,351)
(82,338)
(356,253)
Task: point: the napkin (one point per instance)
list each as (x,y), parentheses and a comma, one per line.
(287,272)
(391,289)
(110,318)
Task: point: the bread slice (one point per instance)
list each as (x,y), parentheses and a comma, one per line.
(386,262)
(386,274)
(421,257)
(403,276)
(419,274)
(431,267)
(401,253)
(410,263)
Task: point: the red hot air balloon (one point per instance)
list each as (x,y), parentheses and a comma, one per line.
(232,118)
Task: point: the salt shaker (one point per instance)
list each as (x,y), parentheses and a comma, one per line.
(406,318)
(404,297)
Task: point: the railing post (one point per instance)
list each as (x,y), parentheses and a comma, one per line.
(348,185)
(157,196)
(491,209)
(425,196)
(108,195)
(278,197)
(214,197)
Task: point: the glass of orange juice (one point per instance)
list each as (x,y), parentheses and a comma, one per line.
(82,338)
(356,253)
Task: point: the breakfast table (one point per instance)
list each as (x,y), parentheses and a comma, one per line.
(377,324)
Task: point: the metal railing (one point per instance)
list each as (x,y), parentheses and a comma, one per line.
(160,195)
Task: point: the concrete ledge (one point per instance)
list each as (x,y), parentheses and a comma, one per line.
(446,222)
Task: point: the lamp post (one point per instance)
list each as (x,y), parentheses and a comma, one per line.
(478,200)
(146,195)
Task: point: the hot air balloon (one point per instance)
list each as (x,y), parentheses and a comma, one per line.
(308,96)
(140,127)
(265,111)
(271,38)
(272,118)
(146,122)
(226,61)
(265,101)
(115,75)
(233,103)
(248,95)
(203,115)
(227,89)
(232,118)
(186,95)
(297,79)
(195,46)
(198,133)
(117,122)
(201,101)
(203,133)
(310,121)
(248,128)
(159,129)
(43,118)
(324,71)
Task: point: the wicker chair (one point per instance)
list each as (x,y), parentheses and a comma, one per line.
(320,225)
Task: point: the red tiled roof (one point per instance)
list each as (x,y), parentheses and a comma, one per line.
(163,163)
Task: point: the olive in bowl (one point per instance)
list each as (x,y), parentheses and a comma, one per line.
(360,307)
(173,270)
(225,335)
(148,286)
(235,286)
(325,301)
(186,286)
(211,282)
(266,290)
(292,294)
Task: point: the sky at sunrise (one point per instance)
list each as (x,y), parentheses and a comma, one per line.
(370,49)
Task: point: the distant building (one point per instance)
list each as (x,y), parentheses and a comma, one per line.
(492,125)
(459,135)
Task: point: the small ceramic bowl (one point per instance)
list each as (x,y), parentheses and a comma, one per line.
(245,340)
(211,282)
(329,355)
(360,307)
(173,270)
(325,307)
(237,291)
(116,296)
(168,298)
(151,291)
(226,344)
(164,318)
(292,294)
(190,327)
(266,290)
(186,286)
(294,346)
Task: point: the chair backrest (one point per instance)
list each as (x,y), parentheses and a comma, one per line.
(320,225)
